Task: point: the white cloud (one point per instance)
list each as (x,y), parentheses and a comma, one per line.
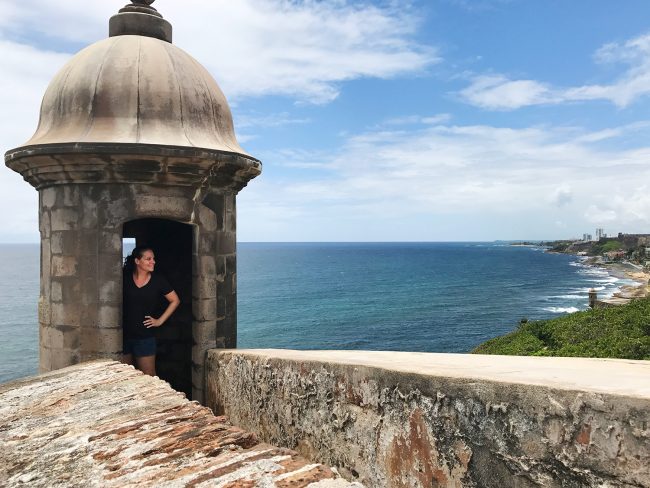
(417,119)
(298,48)
(599,216)
(508,177)
(562,196)
(498,92)
(479,5)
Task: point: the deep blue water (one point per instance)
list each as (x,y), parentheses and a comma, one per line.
(436,297)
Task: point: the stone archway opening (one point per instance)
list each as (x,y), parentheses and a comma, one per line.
(172,243)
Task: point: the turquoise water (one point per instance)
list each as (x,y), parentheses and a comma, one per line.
(436,297)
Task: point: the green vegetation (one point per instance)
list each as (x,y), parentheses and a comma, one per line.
(560,246)
(607,246)
(616,332)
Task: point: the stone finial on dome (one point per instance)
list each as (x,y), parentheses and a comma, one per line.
(142,6)
(139,18)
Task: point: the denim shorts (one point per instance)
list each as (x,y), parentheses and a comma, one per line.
(140,347)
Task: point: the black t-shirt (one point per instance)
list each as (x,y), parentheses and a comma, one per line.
(140,302)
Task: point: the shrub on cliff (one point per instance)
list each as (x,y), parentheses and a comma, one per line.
(617,332)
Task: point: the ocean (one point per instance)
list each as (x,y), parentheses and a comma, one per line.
(434,297)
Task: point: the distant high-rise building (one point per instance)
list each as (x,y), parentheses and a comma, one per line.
(600,233)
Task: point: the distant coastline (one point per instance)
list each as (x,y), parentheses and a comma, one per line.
(620,257)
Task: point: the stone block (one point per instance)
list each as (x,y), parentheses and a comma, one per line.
(56,291)
(95,340)
(203,310)
(110,292)
(172,207)
(198,378)
(54,338)
(226,243)
(46,259)
(64,242)
(109,266)
(199,352)
(110,242)
(206,243)
(222,306)
(207,266)
(89,312)
(227,333)
(231,214)
(204,332)
(88,244)
(89,218)
(64,219)
(114,211)
(44,311)
(207,219)
(71,289)
(216,203)
(204,287)
(71,339)
(44,359)
(66,314)
(70,195)
(62,358)
(45,224)
(109,316)
(64,266)
(48,197)
(220,269)
(93,356)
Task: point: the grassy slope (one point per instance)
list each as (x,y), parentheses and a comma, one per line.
(617,332)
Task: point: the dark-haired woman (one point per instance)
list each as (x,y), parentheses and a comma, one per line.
(143,291)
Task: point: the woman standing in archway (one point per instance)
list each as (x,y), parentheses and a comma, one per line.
(142,293)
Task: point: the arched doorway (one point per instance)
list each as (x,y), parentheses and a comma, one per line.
(172,243)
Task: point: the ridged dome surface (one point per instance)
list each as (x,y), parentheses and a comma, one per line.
(136,90)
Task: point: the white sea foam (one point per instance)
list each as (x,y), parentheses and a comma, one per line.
(569,297)
(593,272)
(562,309)
(611,279)
(586,290)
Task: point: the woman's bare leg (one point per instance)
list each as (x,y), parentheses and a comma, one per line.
(127,359)
(146,364)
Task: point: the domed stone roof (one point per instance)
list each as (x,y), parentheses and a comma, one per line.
(134,107)
(138,90)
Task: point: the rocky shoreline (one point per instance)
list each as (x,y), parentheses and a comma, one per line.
(624,270)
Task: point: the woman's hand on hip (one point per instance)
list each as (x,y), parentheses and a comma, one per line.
(149,322)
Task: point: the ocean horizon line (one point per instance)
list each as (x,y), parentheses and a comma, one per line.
(489,241)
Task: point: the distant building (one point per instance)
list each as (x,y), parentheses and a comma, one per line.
(600,233)
(586,237)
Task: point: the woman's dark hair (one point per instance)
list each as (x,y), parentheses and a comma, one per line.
(137,253)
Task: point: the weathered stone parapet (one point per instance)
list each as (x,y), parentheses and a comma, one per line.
(394,419)
(105,424)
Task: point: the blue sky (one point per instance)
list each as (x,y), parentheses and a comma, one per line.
(391,121)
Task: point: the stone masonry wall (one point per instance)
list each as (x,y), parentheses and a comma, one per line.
(435,420)
(81,269)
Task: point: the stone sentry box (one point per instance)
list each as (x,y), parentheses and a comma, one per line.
(135,139)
